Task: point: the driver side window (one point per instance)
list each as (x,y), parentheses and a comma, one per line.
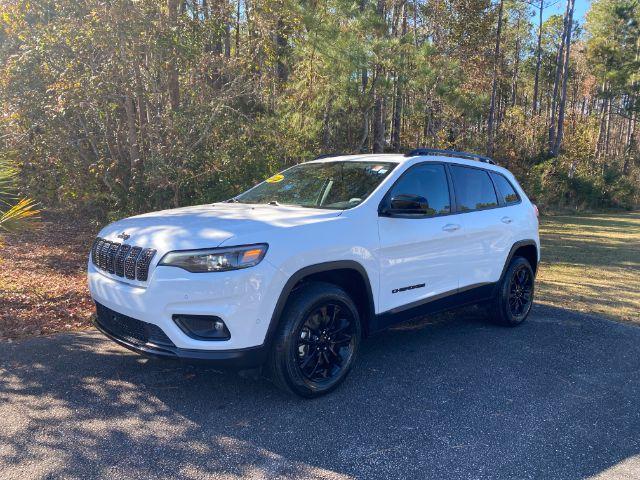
(428,181)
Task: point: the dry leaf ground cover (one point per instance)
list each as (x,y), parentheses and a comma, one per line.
(43,278)
(591,263)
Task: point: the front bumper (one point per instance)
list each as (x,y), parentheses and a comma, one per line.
(243,299)
(237,359)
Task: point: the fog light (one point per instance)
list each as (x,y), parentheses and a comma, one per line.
(203,327)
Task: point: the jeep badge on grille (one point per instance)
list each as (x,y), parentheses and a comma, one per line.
(124,236)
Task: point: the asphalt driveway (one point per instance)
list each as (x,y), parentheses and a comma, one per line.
(453,397)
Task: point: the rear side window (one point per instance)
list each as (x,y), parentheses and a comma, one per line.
(474,189)
(505,189)
(428,181)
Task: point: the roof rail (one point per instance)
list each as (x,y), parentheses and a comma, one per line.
(449,153)
(329,155)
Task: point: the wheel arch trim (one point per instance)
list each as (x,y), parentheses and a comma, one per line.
(313,269)
(514,248)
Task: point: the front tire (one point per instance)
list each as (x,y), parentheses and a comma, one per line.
(317,340)
(514,297)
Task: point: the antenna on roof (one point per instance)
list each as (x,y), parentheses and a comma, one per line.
(449,153)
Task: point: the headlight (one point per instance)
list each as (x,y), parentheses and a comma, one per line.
(216,259)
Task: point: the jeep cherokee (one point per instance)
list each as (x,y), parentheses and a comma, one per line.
(294,272)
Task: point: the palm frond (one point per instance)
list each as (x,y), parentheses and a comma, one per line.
(8,175)
(19,215)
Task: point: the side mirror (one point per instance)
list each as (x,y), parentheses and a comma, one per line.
(407,204)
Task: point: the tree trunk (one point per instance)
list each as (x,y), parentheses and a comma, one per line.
(565,81)
(516,65)
(237,28)
(326,126)
(227,39)
(620,146)
(282,46)
(396,125)
(631,126)
(630,140)
(132,137)
(174,86)
(556,84)
(142,116)
(494,88)
(378,95)
(365,131)
(607,129)
(415,23)
(397,116)
(378,116)
(364,71)
(535,107)
(603,119)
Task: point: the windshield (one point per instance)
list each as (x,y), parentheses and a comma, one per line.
(334,185)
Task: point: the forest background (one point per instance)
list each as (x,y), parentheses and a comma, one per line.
(114,107)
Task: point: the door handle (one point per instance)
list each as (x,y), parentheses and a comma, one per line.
(506,220)
(451,227)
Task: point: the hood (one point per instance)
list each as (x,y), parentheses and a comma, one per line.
(207,226)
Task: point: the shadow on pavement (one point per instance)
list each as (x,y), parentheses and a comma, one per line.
(450,397)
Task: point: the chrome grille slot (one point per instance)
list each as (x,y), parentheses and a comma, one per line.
(94,247)
(102,254)
(130,263)
(121,259)
(96,256)
(111,255)
(142,265)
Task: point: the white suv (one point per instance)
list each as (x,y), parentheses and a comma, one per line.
(294,272)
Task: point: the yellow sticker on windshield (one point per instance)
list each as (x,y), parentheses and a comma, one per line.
(275,179)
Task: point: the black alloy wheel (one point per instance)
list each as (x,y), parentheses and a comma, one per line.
(521,291)
(317,340)
(326,342)
(514,296)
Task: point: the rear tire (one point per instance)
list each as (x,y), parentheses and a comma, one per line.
(316,342)
(514,296)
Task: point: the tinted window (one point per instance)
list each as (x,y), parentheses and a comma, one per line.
(428,181)
(474,189)
(505,188)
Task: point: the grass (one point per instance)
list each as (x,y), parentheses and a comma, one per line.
(591,263)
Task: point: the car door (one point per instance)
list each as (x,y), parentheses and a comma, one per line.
(418,253)
(488,235)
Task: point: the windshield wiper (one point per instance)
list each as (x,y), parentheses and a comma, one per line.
(273,202)
(232,200)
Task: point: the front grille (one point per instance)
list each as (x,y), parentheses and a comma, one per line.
(129,329)
(121,259)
